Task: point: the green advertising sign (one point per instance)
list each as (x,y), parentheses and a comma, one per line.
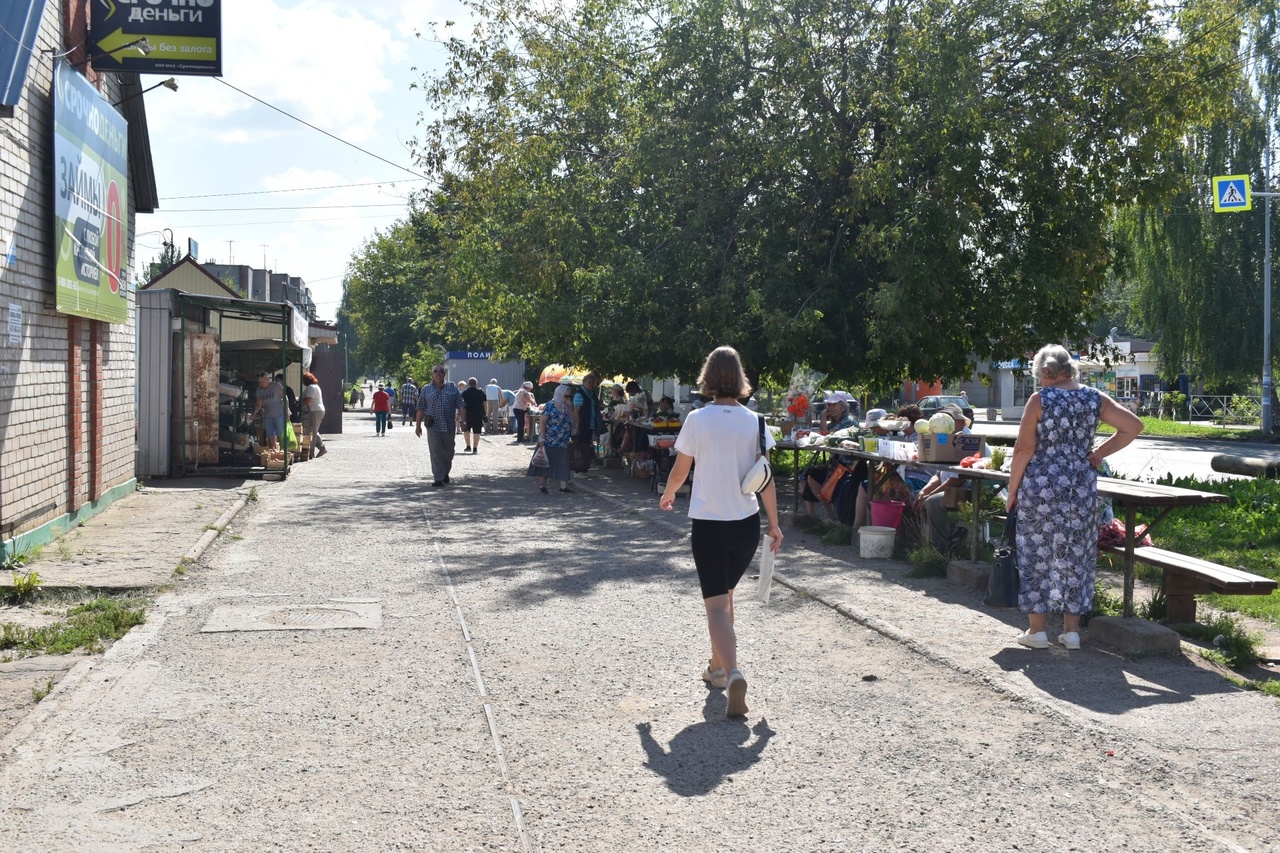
(90,199)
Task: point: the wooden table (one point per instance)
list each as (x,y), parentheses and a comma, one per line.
(1129,495)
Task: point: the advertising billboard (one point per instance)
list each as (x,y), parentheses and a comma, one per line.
(184,37)
(90,199)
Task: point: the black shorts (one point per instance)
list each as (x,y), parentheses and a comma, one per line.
(475,425)
(722,550)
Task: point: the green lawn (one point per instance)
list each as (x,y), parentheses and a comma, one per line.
(1156,428)
(1244,533)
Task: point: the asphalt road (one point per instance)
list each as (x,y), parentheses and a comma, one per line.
(1151,458)
(366,663)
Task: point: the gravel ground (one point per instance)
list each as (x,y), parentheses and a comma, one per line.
(533,685)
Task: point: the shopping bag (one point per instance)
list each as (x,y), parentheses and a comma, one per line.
(290,440)
(766,571)
(1002,583)
(540,458)
(834,475)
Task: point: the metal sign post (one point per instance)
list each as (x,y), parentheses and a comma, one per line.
(1232,194)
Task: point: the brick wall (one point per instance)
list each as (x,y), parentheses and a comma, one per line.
(41,478)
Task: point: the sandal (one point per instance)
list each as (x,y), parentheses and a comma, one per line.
(543,489)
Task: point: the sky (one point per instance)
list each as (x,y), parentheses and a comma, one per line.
(245,182)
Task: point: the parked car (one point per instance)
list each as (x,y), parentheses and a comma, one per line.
(930,406)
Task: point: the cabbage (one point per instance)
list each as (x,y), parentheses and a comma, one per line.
(942,424)
(922,427)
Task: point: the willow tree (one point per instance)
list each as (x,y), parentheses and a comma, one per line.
(1196,277)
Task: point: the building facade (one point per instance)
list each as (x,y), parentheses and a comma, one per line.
(67,379)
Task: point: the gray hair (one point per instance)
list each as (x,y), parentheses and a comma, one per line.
(1054,362)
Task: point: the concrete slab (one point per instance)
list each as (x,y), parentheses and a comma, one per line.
(140,539)
(302,617)
(969,575)
(1133,637)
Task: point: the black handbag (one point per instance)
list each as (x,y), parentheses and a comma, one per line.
(1002,583)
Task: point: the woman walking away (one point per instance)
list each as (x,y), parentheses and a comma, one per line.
(723,438)
(473,423)
(312,404)
(1053,486)
(557,432)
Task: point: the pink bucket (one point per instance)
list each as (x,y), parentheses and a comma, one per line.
(887,513)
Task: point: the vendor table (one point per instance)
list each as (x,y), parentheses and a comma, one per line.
(1127,494)
(643,441)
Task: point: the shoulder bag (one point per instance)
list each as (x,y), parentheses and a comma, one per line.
(760,475)
(1002,583)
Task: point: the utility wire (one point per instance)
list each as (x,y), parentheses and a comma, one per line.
(296,207)
(322,130)
(295,189)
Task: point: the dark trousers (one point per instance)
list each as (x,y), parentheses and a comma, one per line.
(520,415)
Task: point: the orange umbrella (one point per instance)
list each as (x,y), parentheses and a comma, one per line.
(554,373)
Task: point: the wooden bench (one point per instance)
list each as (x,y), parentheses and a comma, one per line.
(1186,577)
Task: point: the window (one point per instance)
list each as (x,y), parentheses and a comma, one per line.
(1023,387)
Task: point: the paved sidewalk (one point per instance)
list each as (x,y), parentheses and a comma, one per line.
(518,672)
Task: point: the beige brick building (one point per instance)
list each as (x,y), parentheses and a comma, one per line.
(67,383)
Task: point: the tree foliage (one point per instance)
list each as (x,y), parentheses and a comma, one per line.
(1195,278)
(883,188)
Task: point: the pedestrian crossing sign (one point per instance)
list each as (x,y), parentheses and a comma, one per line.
(1231,193)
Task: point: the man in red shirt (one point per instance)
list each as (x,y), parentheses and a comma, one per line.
(381,409)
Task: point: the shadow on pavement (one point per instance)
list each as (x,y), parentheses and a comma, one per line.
(1108,684)
(703,755)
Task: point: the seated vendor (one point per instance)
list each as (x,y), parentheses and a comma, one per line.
(941,494)
(837,412)
(837,406)
(666,405)
(900,482)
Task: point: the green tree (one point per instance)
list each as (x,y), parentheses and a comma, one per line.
(882,189)
(1195,278)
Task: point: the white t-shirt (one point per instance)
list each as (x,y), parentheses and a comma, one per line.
(723,441)
(493,393)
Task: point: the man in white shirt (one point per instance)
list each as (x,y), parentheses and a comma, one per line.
(493,402)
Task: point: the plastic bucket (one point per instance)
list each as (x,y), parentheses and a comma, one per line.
(887,513)
(871,445)
(876,543)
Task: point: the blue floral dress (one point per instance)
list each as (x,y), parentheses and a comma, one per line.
(559,433)
(1057,539)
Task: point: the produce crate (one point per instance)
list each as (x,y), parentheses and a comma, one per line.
(937,447)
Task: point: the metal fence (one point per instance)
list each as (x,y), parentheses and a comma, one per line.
(1241,409)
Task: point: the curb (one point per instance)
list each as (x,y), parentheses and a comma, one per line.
(197,551)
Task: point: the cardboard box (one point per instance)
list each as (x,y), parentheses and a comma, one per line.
(948,448)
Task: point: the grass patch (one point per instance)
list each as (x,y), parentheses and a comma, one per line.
(253,495)
(1243,533)
(780,462)
(1105,602)
(86,626)
(1232,644)
(927,562)
(1271,687)
(38,693)
(1156,428)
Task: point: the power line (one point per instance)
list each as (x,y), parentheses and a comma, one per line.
(322,130)
(279,221)
(295,189)
(296,207)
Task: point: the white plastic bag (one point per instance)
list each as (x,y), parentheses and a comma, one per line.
(766,570)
